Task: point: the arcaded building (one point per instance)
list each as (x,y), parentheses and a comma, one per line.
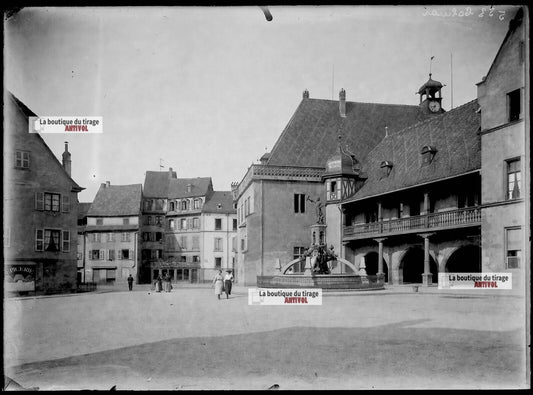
(410,191)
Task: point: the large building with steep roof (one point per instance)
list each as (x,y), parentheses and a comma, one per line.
(40,209)
(408,191)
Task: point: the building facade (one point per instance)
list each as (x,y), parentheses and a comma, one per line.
(40,209)
(503,95)
(111,236)
(408,191)
(187,228)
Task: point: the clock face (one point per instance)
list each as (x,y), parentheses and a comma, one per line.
(434,106)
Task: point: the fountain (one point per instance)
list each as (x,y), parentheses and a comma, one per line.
(322,267)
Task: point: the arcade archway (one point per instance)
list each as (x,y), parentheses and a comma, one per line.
(412,266)
(465,259)
(371,263)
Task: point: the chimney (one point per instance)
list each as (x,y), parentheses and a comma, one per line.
(305,95)
(107,184)
(66,159)
(342,103)
(102,185)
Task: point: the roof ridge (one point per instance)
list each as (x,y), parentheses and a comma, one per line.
(363,102)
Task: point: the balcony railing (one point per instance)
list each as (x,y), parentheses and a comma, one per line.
(442,220)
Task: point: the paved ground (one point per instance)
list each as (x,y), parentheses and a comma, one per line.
(188,339)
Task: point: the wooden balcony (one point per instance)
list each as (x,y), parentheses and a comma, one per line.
(470,216)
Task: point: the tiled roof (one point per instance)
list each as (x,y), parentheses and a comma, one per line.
(455,136)
(199,186)
(222,198)
(83,208)
(311,136)
(13,100)
(117,200)
(156,183)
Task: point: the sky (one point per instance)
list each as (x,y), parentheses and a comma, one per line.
(208,90)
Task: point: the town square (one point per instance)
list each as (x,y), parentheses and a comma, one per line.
(267,197)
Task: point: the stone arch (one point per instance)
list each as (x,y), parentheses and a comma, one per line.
(411,265)
(464,259)
(371,263)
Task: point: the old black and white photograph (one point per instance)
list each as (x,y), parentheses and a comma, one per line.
(288,197)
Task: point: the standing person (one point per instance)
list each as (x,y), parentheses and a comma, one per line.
(228,280)
(158,283)
(130,282)
(217,283)
(167,286)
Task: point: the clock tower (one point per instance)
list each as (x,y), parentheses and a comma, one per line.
(430,96)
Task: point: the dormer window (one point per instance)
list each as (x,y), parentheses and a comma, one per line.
(428,153)
(189,188)
(386,167)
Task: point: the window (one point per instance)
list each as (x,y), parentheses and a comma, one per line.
(196,223)
(218,224)
(299,203)
(50,241)
(196,259)
(159,204)
(65,204)
(39,239)
(22,159)
(170,242)
(247,207)
(146,236)
(110,237)
(234,224)
(66,241)
(183,223)
(242,245)
(111,255)
(94,255)
(513,247)
(171,224)
(218,263)
(183,242)
(297,253)
(513,104)
(218,244)
(126,237)
(172,206)
(125,221)
(96,237)
(197,203)
(184,204)
(158,236)
(513,179)
(195,242)
(149,220)
(159,220)
(99,221)
(147,205)
(125,254)
(51,202)
(101,255)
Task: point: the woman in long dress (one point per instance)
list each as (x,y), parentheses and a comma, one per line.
(217,283)
(158,284)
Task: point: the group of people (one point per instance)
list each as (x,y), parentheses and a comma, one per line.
(223,283)
(163,283)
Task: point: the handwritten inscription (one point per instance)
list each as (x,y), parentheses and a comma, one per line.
(465,12)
